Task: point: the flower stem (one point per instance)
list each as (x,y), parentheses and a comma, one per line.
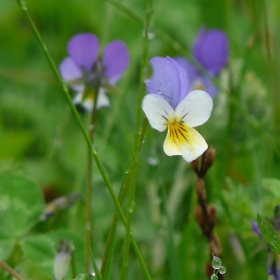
(88,233)
(135,154)
(11,271)
(105,268)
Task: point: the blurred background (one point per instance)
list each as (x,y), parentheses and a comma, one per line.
(40,138)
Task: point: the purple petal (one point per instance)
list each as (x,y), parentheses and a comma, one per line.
(211,50)
(191,69)
(184,79)
(69,71)
(165,80)
(196,78)
(115,60)
(83,49)
(272,270)
(255,228)
(208,85)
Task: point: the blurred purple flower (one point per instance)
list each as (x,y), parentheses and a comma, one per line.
(210,49)
(169,104)
(272,270)
(83,69)
(255,228)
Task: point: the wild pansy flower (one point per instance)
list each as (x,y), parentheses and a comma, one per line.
(83,69)
(169,104)
(210,49)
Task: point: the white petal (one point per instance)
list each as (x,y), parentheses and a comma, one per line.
(103,100)
(88,105)
(195,109)
(78,98)
(196,148)
(184,140)
(158,111)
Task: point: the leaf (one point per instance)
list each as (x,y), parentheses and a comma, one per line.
(6,244)
(21,204)
(40,250)
(84,277)
(14,144)
(272,185)
(268,232)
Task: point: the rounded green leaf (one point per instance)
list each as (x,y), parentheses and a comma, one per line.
(21,204)
(40,251)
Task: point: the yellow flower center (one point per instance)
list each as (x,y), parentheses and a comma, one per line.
(178,132)
(198,85)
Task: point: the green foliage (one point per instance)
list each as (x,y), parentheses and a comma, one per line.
(269,233)
(40,251)
(84,277)
(21,205)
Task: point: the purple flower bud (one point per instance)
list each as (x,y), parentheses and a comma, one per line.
(256,228)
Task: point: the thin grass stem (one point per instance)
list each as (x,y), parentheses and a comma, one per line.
(109,249)
(135,156)
(11,271)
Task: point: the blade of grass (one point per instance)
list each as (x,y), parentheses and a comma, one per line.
(131,204)
(171,248)
(11,271)
(126,11)
(109,249)
(97,274)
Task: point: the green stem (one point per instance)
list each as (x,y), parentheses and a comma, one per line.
(84,132)
(105,269)
(73,265)
(88,233)
(97,274)
(135,155)
(10,270)
(172,254)
(126,11)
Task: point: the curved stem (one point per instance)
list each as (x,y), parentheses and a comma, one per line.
(10,270)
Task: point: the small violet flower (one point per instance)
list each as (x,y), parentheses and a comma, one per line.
(169,104)
(255,228)
(83,69)
(210,49)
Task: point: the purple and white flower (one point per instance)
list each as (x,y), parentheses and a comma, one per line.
(169,104)
(210,49)
(83,68)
